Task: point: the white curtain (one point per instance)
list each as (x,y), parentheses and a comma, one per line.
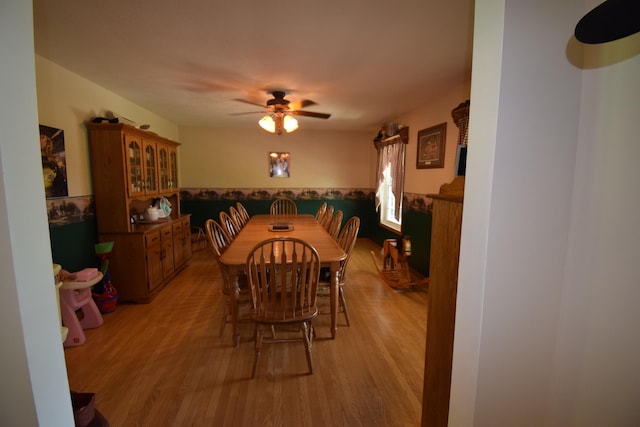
(392,154)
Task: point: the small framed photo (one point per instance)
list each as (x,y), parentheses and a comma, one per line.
(431,146)
(279,165)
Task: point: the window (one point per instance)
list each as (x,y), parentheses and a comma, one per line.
(388,203)
(390,182)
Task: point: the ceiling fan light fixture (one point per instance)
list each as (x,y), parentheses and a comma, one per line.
(267,123)
(290,123)
(280,113)
(278,122)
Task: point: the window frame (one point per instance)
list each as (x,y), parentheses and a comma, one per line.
(385,196)
(386,217)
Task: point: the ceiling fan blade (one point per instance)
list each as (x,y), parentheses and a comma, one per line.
(249,102)
(248,112)
(310,114)
(297,105)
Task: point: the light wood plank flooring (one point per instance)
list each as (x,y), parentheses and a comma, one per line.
(163,363)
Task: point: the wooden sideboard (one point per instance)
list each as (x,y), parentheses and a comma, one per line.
(130,169)
(145,259)
(443,285)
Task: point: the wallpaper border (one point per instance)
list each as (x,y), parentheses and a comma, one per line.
(67,210)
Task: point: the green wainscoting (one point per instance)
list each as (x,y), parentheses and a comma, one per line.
(201,210)
(72,244)
(417,225)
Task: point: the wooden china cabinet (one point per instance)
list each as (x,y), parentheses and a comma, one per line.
(130,170)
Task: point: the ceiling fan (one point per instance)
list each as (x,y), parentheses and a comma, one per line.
(279,112)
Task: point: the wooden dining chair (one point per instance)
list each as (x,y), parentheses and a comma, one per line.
(326,219)
(219,241)
(236,217)
(229,225)
(335,223)
(283,277)
(321,211)
(346,240)
(243,212)
(283,206)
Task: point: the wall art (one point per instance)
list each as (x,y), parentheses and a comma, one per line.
(54,163)
(431,147)
(279,165)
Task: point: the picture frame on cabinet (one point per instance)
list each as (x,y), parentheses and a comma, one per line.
(279,165)
(431,147)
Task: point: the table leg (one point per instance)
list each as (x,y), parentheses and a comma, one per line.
(333,298)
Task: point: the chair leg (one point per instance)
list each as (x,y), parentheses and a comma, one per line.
(311,333)
(344,305)
(259,336)
(306,332)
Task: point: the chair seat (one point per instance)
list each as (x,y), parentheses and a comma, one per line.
(282,317)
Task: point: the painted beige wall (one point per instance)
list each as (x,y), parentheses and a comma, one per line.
(67,100)
(238,158)
(34,389)
(598,320)
(547,315)
(438,110)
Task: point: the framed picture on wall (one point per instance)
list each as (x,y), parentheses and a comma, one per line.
(431,146)
(54,163)
(279,165)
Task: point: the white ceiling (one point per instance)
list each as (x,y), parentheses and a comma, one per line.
(364,61)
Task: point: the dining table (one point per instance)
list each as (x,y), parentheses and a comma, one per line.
(264,226)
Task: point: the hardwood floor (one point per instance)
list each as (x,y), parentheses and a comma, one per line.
(163,363)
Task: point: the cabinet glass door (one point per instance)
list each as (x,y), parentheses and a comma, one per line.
(134,164)
(151,175)
(163,168)
(173,169)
